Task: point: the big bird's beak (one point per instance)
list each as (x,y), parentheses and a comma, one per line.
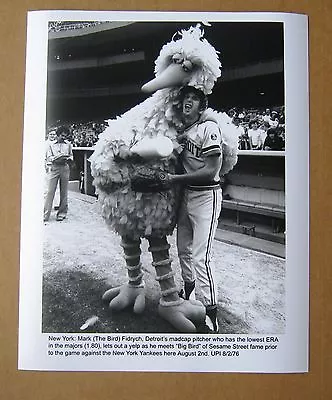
(173,75)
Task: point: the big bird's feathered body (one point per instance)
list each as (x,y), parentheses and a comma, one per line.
(186,60)
(128,212)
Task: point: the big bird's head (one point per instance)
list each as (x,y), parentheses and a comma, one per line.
(188,60)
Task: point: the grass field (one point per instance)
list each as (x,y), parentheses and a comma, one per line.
(82,259)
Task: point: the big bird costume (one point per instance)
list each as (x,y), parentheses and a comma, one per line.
(188,59)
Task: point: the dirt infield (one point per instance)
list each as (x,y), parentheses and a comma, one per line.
(82,259)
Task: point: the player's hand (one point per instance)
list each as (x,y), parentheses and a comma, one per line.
(150,180)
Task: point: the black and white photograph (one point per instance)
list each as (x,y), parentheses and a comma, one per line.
(164,149)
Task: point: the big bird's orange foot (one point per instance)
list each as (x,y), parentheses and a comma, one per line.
(184,316)
(125,296)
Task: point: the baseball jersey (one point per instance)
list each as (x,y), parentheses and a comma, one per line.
(203,139)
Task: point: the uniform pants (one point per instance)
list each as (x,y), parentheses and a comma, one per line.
(197,224)
(57,173)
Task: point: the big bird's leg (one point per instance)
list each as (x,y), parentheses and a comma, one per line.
(130,294)
(180,313)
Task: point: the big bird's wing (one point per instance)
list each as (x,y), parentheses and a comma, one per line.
(229,140)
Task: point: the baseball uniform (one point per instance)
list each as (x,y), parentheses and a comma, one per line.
(200,209)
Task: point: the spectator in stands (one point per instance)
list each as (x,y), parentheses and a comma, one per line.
(274,121)
(281,132)
(273,140)
(86,134)
(265,126)
(252,115)
(58,155)
(266,115)
(229,115)
(242,114)
(237,128)
(260,119)
(255,135)
(282,116)
(244,142)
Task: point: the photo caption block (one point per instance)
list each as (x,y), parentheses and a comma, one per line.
(97,345)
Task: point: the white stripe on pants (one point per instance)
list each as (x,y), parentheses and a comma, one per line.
(197,224)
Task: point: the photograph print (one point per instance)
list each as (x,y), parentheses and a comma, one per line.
(164,178)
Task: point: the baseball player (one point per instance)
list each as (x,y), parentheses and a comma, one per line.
(201,159)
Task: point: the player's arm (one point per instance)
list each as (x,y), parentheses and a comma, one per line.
(202,175)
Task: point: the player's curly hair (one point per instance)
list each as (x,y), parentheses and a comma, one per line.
(191,89)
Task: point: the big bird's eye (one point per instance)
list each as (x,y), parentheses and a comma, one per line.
(187,65)
(177,58)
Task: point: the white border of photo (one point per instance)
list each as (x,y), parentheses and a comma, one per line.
(292,353)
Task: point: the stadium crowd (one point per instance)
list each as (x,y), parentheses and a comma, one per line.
(255,129)
(82,134)
(258,129)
